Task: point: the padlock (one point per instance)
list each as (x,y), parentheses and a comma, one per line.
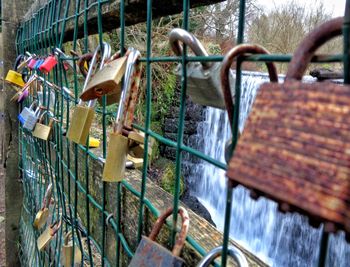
(136,144)
(49,63)
(41,130)
(46,237)
(13,76)
(32,63)
(32,119)
(83,115)
(240,50)
(296,143)
(19,94)
(22,117)
(38,63)
(203,78)
(23,95)
(150,254)
(107,80)
(117,151)
(137,163)
(43,213)
(235,253)
(66,62)
(67,258)
(27,59)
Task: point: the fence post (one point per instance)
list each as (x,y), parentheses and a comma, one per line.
(12,12)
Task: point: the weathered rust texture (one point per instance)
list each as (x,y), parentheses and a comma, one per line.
(296,145)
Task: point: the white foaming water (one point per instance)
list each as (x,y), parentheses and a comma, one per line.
(278,239)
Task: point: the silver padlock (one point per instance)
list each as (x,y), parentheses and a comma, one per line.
(22,117)
(236,254)
(32,119)
(203,78)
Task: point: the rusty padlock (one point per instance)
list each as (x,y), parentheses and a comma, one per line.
(240,50)
(233,252)
(49,63)
(43,213)
(296,143)
(117,151)
(45,238)
(150,254)
(41,130)
(67,258)
(83,115)
(203,78)
(107,80)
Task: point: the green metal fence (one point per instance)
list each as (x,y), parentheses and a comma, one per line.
(45,31)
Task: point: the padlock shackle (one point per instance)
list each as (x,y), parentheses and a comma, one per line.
(236,51)
(47,197)
(234,252)
(178,35)
(306,49)
(180,242)
(81,63)
(55,227)
(133,56)
(54,86)
(106,49)
(17,62)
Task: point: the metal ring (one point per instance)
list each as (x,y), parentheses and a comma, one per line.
(235,253)
(177,35)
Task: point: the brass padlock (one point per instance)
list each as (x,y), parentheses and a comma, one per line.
(83,116)
(67,259)
(150,254)
(136,144)
(117,151)
(136,163)
(41,130)
(203,77)
(233,252)
(43,213)
(107,80)
(46,236)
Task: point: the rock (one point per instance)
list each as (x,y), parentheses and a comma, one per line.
(194,204)
(2,219)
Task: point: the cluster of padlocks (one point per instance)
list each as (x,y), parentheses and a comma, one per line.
(118,78)
(300,104)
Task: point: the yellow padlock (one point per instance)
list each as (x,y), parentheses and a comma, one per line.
(41,130)
(67,259)
(83,116)
(117,151)
(15,78)
(45,238)
(43,213)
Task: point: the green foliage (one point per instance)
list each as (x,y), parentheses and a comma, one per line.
(168,179)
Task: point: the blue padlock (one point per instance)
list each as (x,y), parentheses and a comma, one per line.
(38,64)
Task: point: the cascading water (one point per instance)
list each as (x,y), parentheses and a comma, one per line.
(278,239)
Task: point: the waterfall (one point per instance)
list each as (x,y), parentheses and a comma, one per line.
(276,238)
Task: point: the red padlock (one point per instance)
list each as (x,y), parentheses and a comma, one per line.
(32,63)
(49,63)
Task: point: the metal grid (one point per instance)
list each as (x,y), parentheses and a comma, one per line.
(45,31)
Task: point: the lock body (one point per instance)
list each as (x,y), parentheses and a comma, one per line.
(32,63)
(26,112)
(30,122)
(44,239)
(203,85)
(48,64)
(67,259)
(106,81)
(151,254)
(114,167)
(15,78)
(42,131)
(81,121)
(41,218)
(137,163)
